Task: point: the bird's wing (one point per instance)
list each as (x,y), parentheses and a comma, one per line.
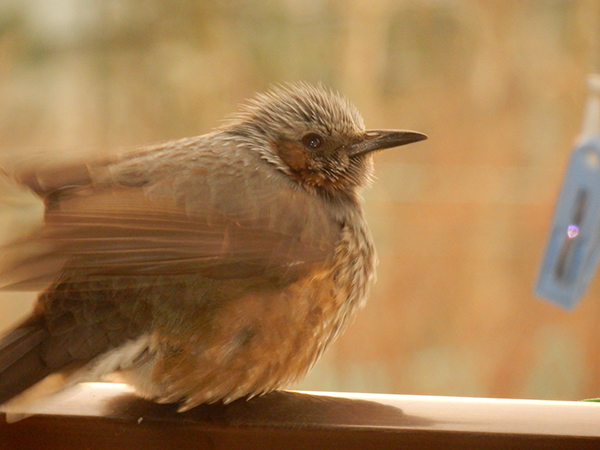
(178,208)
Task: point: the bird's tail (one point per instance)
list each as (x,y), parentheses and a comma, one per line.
(21,361)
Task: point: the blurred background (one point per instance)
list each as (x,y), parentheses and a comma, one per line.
(460,221)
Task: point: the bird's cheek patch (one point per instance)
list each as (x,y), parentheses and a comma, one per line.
(293,155)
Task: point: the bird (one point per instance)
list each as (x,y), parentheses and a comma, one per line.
(198,270)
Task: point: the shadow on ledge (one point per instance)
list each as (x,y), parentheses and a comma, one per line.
(277,409)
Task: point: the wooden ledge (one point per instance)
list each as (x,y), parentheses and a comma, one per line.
(109,416)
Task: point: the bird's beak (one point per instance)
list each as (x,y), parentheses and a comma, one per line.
(382,139)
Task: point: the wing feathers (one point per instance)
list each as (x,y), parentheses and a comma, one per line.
(204,211)
(21,363)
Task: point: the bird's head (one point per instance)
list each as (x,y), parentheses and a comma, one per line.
(316,136)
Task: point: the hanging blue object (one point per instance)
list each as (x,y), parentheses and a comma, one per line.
(573,248)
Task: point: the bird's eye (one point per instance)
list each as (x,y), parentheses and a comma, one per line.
(312,140)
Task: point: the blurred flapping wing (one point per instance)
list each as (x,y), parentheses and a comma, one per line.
(177,208)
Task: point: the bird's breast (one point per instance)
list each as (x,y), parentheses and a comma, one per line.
(262,336)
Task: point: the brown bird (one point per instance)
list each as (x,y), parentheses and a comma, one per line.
(203,269)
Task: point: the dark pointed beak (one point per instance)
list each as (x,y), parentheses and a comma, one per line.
(382,139)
